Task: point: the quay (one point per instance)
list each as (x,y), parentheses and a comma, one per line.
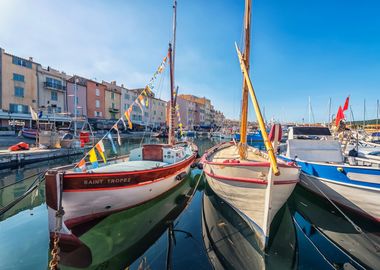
(9,159)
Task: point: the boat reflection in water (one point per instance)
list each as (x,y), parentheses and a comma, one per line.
(323,231)
(232,244)
(118,240)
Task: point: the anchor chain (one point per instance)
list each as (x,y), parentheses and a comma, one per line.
(53,264)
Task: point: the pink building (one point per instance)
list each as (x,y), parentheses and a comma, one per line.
(81,96)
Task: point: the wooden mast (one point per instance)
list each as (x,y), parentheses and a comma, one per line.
(171,137)
(260,120)
(246,54)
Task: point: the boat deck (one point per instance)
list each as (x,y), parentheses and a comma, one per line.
(232,152)
(128,166)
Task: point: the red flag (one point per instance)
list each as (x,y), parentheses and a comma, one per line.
(339,116)
(345,107)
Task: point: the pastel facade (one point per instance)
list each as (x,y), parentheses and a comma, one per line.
(197,111)
(51,90)
(112,100)
(18,85)
(95,100)
(153,115)
(79,84)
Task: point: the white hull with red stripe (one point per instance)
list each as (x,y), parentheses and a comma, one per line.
(243,184)
(102,191)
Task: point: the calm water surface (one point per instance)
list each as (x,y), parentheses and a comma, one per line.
(186,228)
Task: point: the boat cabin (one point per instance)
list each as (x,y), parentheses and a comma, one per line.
(159,152)
(313,144)
(308,133)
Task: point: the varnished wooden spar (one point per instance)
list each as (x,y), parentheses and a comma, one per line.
(244,109)
(267,143)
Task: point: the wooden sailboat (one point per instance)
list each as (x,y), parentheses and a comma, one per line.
(121,183)
(242,175)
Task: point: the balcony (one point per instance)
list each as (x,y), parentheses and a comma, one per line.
(54,86)
(113,110)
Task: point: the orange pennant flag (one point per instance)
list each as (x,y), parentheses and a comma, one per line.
(128,116)
(82,165)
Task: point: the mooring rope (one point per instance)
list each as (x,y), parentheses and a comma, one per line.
(31,188)
(356,227)
(22,180)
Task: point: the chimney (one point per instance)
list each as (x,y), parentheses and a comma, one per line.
(31,59)
(122,85)
(113,82)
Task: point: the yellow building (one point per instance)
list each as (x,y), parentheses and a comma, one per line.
(112,100)
(18,86)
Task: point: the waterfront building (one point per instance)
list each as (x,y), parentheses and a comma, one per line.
(18,87)
(51,90)
(197,112)
(153,115)
(218,118)
(79,84)
(112,100)
(95,97)
(95,100)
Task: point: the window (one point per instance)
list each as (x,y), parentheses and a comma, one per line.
(154,112)
(112,96)
(21,62)
(97,104)
(18,108)
(146,114)
(125,107)
(53,83)
(58,109)
(126,96)
(19,92)
(97,92)
(97,114)
(18,77)
(54,95)
(113,105)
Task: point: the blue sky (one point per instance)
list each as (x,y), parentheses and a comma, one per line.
(300,48)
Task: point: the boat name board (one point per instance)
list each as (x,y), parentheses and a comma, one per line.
(95,182)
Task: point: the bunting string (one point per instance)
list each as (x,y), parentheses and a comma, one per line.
(141,101)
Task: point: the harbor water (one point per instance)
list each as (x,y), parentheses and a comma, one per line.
(188,227)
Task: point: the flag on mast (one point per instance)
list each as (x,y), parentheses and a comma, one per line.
(345,107)
(339,116)
(33,113)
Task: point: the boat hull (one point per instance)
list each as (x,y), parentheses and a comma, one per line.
(87,196)
(354,187)
(362,200)
(244,187)
(29,134)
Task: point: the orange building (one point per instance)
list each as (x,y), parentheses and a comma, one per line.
(95,100)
